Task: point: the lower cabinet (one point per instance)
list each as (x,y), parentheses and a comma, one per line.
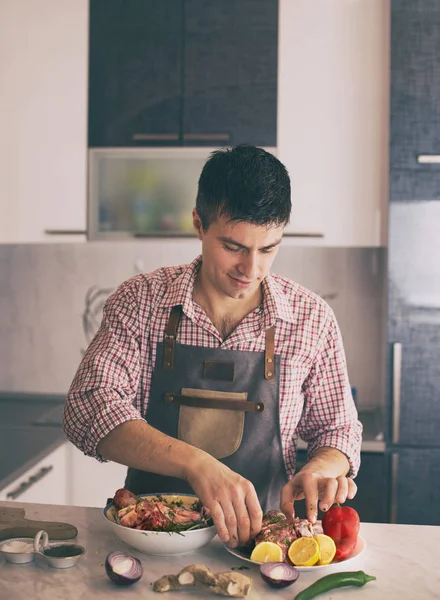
(44,483)
(372,498)
(67,477)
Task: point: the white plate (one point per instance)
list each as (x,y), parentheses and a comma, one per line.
(360,547)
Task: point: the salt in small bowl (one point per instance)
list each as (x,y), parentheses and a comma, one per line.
(18,550)
(60,555)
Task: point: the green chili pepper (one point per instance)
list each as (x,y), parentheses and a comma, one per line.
(335,580)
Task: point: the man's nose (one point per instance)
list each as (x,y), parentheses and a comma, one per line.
(249,265)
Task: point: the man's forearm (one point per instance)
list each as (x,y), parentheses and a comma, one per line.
(328,462)
(140,446)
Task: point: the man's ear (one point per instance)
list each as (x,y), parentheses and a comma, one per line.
(197,223)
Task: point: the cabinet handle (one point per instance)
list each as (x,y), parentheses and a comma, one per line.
(395,393)
(428,159)
(394,486)
(206,137)
(65,231)
(304,235)
(25,485)
(156,137)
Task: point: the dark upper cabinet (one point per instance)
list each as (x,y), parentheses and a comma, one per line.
(182,72)
(230,66)
(415,99)
(135,72)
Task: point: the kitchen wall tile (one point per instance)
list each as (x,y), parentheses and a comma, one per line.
(51,299)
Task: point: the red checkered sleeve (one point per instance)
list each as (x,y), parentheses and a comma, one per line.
(102,392)
(329,417)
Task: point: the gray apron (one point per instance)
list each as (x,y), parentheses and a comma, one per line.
(223,401)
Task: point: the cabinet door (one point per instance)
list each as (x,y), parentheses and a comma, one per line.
(230,85)
(416,486)
(135,72)
(92,482)
(44,483)
(371,500)
(43,121)
(415,98)
(333,114)
(413,322)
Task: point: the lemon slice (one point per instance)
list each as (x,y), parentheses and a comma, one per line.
(327,549)
(304,552)
(267,552)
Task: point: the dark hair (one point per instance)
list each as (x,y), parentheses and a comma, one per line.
(244,183)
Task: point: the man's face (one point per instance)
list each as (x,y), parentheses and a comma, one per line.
(237,256)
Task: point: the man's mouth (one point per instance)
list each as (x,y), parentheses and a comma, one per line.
(239,281)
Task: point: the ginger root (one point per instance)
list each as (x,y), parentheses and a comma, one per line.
(228,583)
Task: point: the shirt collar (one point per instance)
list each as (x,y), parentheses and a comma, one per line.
(276,305)
(181,290)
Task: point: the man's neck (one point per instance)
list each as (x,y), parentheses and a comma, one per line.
(224,312)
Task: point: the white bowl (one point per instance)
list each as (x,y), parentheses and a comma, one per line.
(161,543)
(14,556)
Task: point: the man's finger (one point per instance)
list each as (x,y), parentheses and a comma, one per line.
(254,511)
(341,494)
(328,495)
(352,489)
(231,524)
(219,521)
(289,494)
(310,488)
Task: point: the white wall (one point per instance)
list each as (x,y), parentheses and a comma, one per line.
(43,117)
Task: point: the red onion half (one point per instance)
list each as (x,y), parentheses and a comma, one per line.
(122,568)
(278,574)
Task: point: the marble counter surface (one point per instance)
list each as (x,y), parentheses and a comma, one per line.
(401,557)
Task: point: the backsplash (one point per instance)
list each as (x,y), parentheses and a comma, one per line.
(51,299)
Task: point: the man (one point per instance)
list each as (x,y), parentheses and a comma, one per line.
(202,376)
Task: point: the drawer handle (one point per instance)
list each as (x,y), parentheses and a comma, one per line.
(155,137)
(394,486)
(65,231)
(206,137)
(304,235)
(428,159)
(396,389)
(25,485)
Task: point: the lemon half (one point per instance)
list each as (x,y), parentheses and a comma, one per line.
(327,549)
(304,552)
(267,552)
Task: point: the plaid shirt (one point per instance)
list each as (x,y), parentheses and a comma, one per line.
(113,381)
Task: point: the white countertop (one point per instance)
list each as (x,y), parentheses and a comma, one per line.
(401,557)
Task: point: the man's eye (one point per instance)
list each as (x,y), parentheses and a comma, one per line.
(232,248)
(267,250)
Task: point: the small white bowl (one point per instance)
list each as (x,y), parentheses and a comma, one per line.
(59,562)
(17,556)
(161,543)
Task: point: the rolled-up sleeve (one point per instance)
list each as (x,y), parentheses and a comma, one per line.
(329,417)
(105,385)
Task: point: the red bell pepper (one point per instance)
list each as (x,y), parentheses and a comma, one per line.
(342,523)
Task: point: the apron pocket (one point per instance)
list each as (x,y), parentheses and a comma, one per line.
(214,430)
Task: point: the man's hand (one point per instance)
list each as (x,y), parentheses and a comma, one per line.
(231,499)
(323,479)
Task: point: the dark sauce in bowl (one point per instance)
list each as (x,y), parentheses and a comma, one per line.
(63,551)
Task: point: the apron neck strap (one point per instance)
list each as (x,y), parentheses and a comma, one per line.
(269,354)
(170,337)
